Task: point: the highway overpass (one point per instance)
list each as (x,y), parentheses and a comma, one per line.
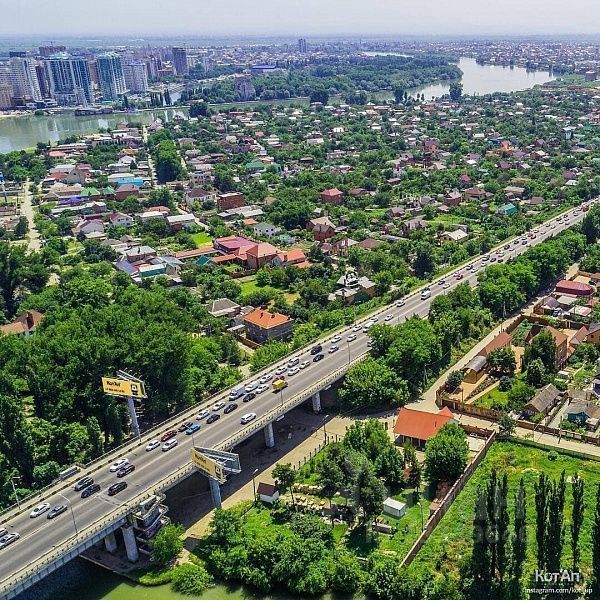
(45,545)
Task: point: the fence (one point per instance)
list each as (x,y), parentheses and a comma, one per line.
(459,484)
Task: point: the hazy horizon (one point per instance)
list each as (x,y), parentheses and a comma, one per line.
(268,18)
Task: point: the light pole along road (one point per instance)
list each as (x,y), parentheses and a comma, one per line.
(39,536)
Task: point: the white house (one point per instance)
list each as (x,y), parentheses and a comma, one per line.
(394,508)
(120,219)
(266,229)
(267,492)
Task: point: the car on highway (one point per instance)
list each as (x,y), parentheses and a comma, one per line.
(249,397)
(214,417)
(217,406)
(357,328)
(237,393)
(266,378)
(524,241)
(446,285)
(3,531)
(506,246)
(351,337)
(400,303)
(121,462)
(304,364)
(230,408)
(441,282)
(169,444)
(129,468)
(388,317)
(458,275)
(293,371)
(247,418)
(40,509)
(192,429)
(293,362)
(333,349)
(493,259)
(83,483)
(167,435)
(115,488)
(485,258)
(552,225)
(318,357)
(202,414)
(263,387)
(90,489)
(280,370)
(152,445)
(59,509)
(184,426)
(316,349)
(426,293)
(335,339)
(251,386)
(8,539)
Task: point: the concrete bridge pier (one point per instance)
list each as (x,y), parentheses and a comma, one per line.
(130,543)
(215,492)
(110,543)
(316,402)
(269,435)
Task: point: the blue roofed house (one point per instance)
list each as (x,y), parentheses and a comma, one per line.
(507,209)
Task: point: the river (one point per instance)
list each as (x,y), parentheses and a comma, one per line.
(17,133)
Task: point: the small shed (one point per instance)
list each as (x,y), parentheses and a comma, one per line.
(474,369)
(394,508)
(267,492)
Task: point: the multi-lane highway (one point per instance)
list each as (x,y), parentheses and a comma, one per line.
(40,536)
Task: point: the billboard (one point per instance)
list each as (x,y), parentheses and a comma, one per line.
(207,465)
(122,387)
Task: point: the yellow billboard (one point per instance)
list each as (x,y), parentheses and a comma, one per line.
(207,465)
(122,387)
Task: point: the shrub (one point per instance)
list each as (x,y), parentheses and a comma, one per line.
(552,455)
(190,579)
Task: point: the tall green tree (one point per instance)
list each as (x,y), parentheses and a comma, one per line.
(446,453)
(285,476)
(519,540)
(577,489)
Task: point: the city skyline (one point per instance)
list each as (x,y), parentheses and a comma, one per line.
(310,17)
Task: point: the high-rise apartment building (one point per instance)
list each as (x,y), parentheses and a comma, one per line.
(46,51)
(110,72)
(70,80)
(180,61)
(244,88)
(136,76)
(302,46)
(6,96)
(23,77)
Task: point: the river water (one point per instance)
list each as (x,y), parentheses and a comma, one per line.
(17,133)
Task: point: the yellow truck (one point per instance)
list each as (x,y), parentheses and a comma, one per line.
(279,384)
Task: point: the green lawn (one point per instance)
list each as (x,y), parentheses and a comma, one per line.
(201,239)
(492,397)
(451,539)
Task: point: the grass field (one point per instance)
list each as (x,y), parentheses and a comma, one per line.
(451,539)
(201,239)
(492,397)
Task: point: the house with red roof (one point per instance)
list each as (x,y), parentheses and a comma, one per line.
(417,426)
(263,326)
(573,288)
(332,196)
(292,257)
(260,254)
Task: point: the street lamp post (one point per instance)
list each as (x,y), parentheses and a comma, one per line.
(348,352)
(254,484)
(324,427)
(12,480)
(281,396)
(72,513)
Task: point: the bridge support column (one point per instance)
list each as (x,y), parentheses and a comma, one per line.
(135,427)
(215,492)
(316,402)
(130,544)
(269,435)
(110,543)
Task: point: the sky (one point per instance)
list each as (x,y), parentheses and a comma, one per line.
(200,18)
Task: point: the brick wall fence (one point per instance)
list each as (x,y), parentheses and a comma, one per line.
(451,495)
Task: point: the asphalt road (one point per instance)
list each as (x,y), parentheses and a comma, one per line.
(40,535)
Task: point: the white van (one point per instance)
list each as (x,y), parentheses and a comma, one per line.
(426,293)
(237,393)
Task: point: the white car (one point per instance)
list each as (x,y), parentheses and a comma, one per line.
(356,328)
(251,386)
(336,338)
(293,362)
(247,418)
(8,539)
(446,286)
(169,444)
(152,445)
(3,531)
(304,364)
(333,349)
(374,318)
(266,378)
(293,371)
(281,370)
(202,414)
(263,387)
(388,317)
(118,464)
(217,406)
(40,509)
(400,304)
(351,337)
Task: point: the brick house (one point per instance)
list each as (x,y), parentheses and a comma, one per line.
(230,200)
(260,254)
(416,426)
(322,228)
(332,196)
(262,326)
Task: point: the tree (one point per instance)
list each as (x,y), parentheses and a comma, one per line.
(480,557)
(502,559)
(319,95)
(167,544)
(502,360)
(555,532)
(331,479)
(285,476)
(577,488)
(506,426)
(412,462)
(190,579)
(453,380)
(389,466)
(369,493)
(399,94)
(347,575)
(21,228)
(371,383)
(456,90)
(536,373)
(519,395)
(542,498)
(543,347)
(446,453)
(519,541)
(595,541)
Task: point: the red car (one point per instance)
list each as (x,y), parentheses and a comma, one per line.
(167,435)
(459,276)
(185,426)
